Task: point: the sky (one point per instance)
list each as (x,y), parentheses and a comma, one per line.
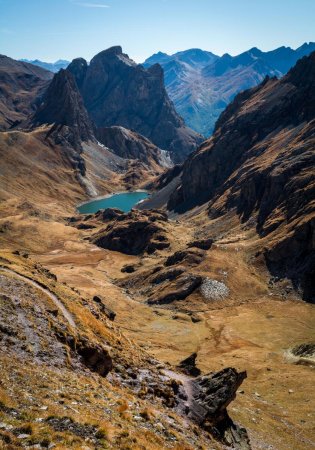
(66,29)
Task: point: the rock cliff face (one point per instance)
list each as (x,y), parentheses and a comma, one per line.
(131,145)
(20,85)
(62,105)
(260,161)
(117,91)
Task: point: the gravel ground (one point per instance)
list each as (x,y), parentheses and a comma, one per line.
(214,290)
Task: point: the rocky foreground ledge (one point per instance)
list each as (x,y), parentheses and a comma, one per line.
(76,345)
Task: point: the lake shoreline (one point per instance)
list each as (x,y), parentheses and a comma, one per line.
(101,197)
(96,202)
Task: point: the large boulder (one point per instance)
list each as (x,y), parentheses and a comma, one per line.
(181,288)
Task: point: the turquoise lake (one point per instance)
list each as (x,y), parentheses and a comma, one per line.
(124,201)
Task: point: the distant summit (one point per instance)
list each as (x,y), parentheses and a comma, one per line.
(259,164)
(202,84)
(52,67)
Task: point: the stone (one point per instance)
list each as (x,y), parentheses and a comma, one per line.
(94,356)
(203,244)
(212,394)
(181,288)
(190,257)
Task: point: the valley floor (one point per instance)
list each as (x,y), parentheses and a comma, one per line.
(253,330)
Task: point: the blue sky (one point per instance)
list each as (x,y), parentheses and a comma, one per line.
(53,29)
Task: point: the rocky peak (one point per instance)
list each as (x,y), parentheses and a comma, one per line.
(117,91)
(62,105)
(114,50)
(303,73)
(78,68)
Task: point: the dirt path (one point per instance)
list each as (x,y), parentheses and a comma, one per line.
(67,315)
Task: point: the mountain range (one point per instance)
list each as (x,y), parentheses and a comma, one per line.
(52,67)
(260,164)
(137,329)
(202,84)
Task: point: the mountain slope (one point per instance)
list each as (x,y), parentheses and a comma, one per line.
(201,90)
(260,162)
(20,85)
(131,145)
(117,91)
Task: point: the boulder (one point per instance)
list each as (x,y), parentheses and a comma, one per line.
(203,244)
(167,275)
(190,257)
(183,286)
(94,356)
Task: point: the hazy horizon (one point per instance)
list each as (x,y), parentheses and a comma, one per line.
(177,51)
(66,29)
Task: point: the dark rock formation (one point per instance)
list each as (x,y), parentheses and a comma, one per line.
(117,91)
(109,313)
(129,144)
(63,107)
(94,356)
(211,396)
(260,161)
(133,233)
(190,257)
(203,244)
(110,214)
(129,268)
(181,288)
(167,275)
(20,86)
(188,365)
(304,350)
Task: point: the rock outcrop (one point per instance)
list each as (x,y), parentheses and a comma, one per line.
(131,145)
(117,91)
(190,257)
(211,396)
(62,106)
(260,161)
(134,232)
(95,357)
(109,313)
(179,289)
